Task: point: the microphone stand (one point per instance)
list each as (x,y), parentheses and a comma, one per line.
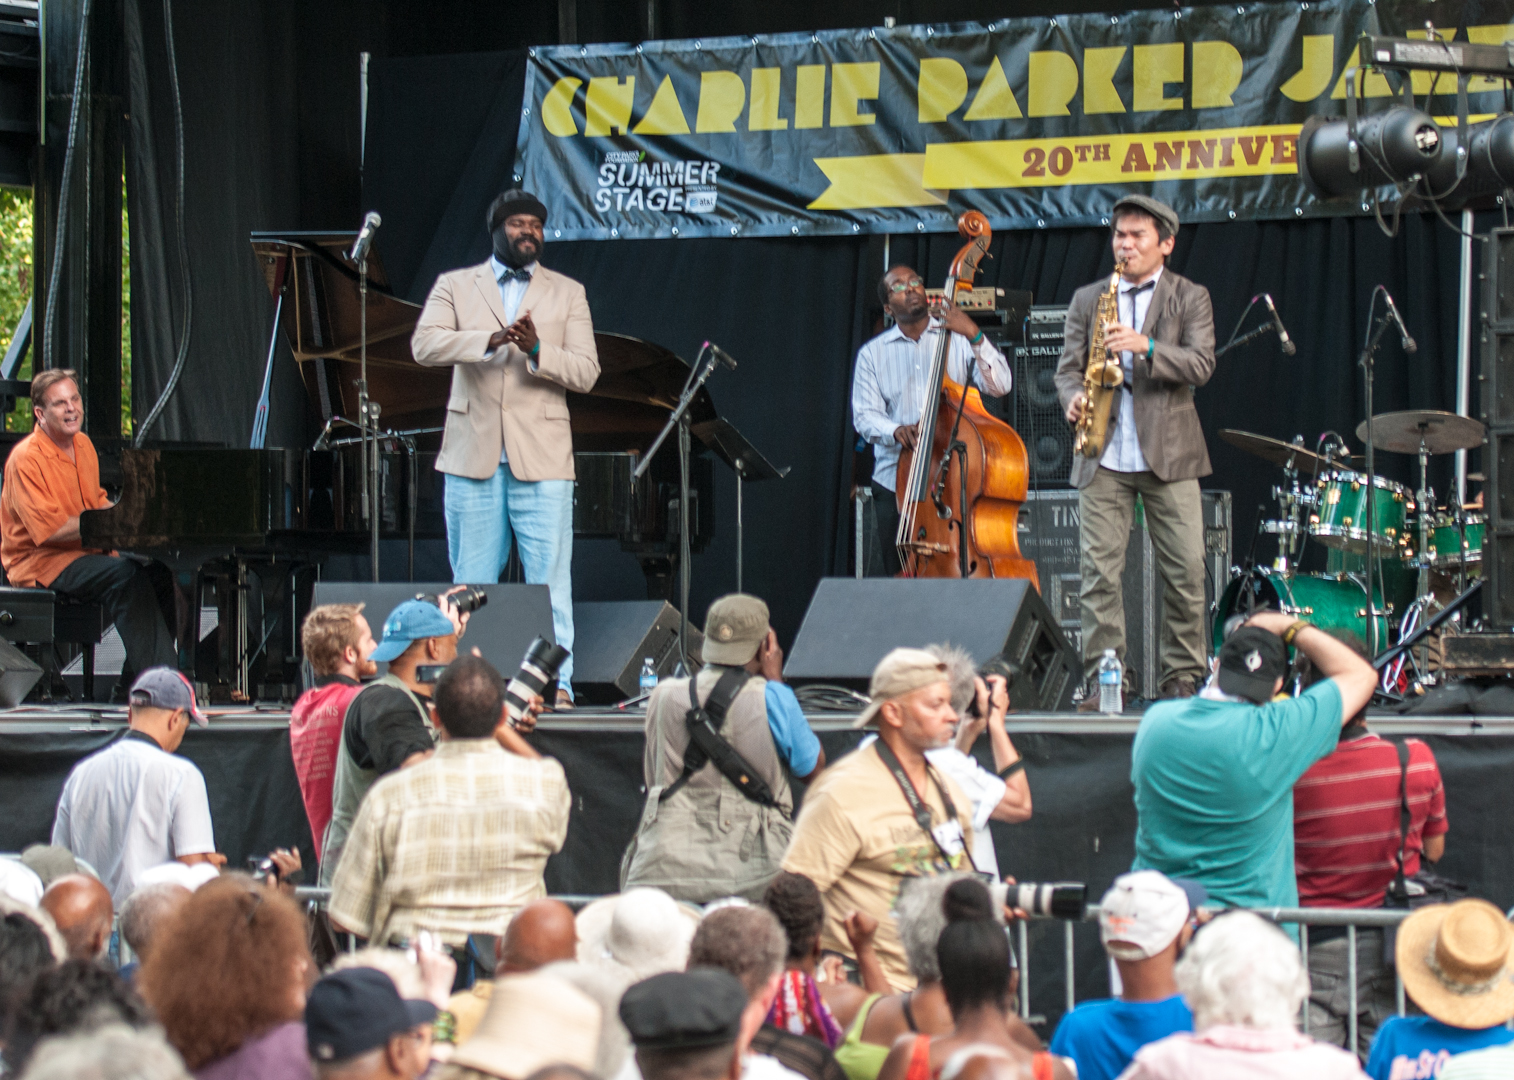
(1236,343)
(1369,352)
(679,419)
(367,411)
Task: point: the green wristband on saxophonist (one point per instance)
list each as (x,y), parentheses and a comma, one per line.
(1151,348)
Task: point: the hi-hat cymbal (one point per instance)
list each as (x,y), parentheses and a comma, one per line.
(1441,432)
(1274,450)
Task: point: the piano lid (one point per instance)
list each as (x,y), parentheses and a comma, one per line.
(639,382)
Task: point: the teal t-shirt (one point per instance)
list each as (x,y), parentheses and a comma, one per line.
(1214,790)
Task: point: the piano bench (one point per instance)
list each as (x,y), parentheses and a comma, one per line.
(43,618)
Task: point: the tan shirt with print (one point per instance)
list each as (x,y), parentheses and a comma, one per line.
(857,840)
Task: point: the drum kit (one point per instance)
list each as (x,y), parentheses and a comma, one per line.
(1411,555)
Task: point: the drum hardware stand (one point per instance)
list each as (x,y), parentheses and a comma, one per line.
(1369,352)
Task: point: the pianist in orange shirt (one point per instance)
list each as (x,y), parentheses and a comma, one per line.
(50,477)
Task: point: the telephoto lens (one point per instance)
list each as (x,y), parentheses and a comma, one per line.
(468,601)
(538,671)
(1057,899)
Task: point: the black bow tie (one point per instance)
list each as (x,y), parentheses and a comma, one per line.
(515,275)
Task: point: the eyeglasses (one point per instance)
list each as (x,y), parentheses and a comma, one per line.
(904,286)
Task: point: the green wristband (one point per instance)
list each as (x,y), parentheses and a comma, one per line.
(535,349)
(1151,348)
(977,339)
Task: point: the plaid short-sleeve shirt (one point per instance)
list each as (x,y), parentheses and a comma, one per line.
(455,845)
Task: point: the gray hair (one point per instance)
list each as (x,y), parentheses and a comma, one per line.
(921,915)
(144,909)
(747,941)
(112,1052)
(961,669)
(1242,970)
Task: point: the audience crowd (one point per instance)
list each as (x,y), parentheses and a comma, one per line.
(845,929)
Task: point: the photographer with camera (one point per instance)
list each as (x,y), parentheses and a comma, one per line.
(387,726)
(719,809)
(456,844)
(1214,773)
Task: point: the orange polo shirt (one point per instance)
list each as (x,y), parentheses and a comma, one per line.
(43,489)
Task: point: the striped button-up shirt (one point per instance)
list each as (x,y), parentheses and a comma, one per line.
(1123,453)
(888,391)
(455,845)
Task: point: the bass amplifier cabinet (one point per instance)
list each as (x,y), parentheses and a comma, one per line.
(1049,537)
(1496,391)
(612,639)
(1036,413)
(852,622)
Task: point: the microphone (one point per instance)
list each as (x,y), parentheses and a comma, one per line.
(1408,342)
(365,236)
(1277,324)
(720,354)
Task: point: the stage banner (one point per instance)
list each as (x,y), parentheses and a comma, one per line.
(1036,122)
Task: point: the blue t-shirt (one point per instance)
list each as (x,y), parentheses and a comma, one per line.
(1103,1036)
(797,744)
(1417,1047)
(1214,790)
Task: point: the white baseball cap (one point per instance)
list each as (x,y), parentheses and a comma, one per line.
(1144,911)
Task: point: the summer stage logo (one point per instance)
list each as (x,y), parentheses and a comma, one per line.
(629,181)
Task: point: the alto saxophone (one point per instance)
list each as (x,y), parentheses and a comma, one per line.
(1102,377)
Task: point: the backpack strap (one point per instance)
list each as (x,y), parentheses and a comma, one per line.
(707,746)
(1398,888)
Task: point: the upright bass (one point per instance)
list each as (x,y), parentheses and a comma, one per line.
(961,487)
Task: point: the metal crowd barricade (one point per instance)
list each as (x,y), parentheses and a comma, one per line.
(1353,919)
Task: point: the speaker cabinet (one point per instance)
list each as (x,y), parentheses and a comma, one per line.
(612,639)
(1497,403)
(853,622)
(18,674)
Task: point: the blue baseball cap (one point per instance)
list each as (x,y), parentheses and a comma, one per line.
(411,621)
(353,1011)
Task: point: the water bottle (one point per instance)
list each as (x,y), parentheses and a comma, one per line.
(1110,685)
(648,676)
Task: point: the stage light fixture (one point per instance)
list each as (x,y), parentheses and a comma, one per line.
(1390,147)
(1489,167)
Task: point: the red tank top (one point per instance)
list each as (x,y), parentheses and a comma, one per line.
(315,732)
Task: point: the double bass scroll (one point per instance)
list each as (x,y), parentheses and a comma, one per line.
(961,487)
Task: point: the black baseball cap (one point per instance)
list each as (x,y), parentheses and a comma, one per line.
(353,1011)
(1251,662)
(684,1009)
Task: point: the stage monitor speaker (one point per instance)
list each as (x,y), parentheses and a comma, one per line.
(852,622)
(18,674)
(502,630)
(611,639)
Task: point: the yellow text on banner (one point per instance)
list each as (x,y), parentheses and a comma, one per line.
(1112,159)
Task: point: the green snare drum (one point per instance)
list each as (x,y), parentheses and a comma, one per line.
(1451,546)
(1331,603)
(1339,519)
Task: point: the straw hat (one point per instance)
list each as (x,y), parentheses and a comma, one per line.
(533,1020)
(1455,962)
(641,932)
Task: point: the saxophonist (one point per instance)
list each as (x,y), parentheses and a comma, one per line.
(1154,447)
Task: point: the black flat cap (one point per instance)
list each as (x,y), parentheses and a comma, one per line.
(353,1011)
(684,1009)
(1145,204)
(515,201)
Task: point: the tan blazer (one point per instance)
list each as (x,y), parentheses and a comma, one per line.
(498,403)
(1181,322)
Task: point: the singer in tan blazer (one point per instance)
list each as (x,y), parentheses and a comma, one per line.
(517,337)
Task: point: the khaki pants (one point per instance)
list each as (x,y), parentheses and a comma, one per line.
(1175,520)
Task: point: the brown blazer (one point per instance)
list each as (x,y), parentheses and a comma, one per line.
(499,403)
(1181,322)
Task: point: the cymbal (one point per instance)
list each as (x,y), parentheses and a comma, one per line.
(1442,432)
(1274,450)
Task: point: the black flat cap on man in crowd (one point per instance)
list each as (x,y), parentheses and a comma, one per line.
(357,1010)
(684,1010)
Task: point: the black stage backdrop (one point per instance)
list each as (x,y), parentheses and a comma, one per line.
(1083,828)
(795,311)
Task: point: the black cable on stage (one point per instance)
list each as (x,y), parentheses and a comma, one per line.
(49,316)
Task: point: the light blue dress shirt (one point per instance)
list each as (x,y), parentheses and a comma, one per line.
(888,389)
(511,293)
(1123,454)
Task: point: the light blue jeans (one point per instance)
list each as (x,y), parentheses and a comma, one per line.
(481,517)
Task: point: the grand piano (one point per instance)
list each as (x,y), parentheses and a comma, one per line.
(242,524)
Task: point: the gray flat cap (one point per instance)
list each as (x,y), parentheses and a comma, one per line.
(1147,205)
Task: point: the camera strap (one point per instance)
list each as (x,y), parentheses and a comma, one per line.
(917,805)
(707,746)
